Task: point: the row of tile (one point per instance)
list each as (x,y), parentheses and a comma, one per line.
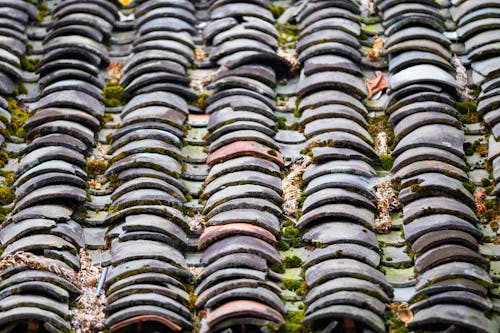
(339,209)
(148,279)
(14,18)
(438,216)
(242,192)
(51,179)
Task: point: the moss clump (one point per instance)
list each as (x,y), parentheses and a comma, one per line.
(277,269)
(386,162)
(113,95)
(8,177)
(470,118)
(281,123)
(485,182)
(277,11)
(201,101)
(272,152)
(291,232)
(293,323)
(18,117)
(29,64)
(6,195)
(292,285)
(282,245)
(292,262)
(466,106)
(96,167)
(479,148)
(43,9)
(469,186)
(287,35)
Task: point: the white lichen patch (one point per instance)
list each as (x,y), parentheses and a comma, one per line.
(461,78)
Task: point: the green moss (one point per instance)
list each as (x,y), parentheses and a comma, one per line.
(18,117)
(470,118)
(29,64)
(394,323)
(201,101)
(292,261)
(277,11)
(8,177)
(292,285)
(288,34)
(113,95)
(272,152)
(6,195)
(43,9)
(291,232)
(282,245)
(293,323)
(466,106)
(386,162)
(281,122)
(415,187)
(485,182)
(277,269)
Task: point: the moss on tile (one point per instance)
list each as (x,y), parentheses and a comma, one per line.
(43,9)
(29,64)
(292,261)
(19,116)
(113,95)
(294,323)
(277,11)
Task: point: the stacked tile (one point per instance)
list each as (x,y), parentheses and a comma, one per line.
(51,178)
(148,279)
(243,187)
(345,289)
(438,216)
(14,17)
(478,27)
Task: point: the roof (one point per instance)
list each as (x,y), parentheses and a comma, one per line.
(292,166)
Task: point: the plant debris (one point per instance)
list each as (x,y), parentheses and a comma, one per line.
(377,49)
(115,72)
(401,311)
(461,78)
(376,84)
(199,55)
(479,201)
(291,57)
(88,317)
(291,186)
(200,82)
(196,221)
(386,202)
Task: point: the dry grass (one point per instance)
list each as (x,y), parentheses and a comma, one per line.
(462,89)
(88,317)
(291,57)
(386,202)
(377,49)
(291,186)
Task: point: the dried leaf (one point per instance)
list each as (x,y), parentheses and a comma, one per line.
(199,55)
(377,84)
(377,49)
(115,72)
(479,201)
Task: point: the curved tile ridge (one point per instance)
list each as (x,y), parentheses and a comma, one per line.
(438,210)
(149,283)
(344,287)
(242,192)
(50,185)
